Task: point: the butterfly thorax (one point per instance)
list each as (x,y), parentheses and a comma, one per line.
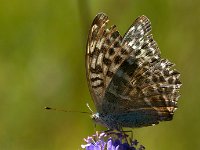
(108,120)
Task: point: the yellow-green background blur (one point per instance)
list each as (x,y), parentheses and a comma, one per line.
(42,48)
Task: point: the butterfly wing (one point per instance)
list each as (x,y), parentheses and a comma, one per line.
(104,55)
(143,83)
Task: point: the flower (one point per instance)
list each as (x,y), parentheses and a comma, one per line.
(111,141)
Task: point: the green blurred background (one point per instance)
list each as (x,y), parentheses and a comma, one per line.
(42,48)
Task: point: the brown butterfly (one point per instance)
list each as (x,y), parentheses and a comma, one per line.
(131,85)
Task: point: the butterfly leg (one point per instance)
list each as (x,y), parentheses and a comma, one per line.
(129,131)
(131,140)
(109,131)
(95,127)
(124,135)
(118,133)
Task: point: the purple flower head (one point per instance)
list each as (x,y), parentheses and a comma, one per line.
(111,141)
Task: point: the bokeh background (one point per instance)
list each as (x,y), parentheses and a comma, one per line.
(42,48)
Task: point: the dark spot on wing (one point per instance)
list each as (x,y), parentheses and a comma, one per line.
(115,34)
(170,80)
(103,49)
(109,74)
(124,51)
(153,59)
(97,69)
(96,51)
(95,79)
(111,51)
(107,61)
(94,34)
(108,41)
(117,59)
(117,44)
(138,52)
(175,73)
(129,66)
(177,81)
(144,46)
(154,79)
(166,72)
(162,79)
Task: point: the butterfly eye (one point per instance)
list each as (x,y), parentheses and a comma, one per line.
(95,116)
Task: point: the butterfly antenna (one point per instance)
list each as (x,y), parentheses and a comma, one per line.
(56,109)
(89,107)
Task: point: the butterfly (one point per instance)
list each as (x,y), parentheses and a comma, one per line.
(130,84)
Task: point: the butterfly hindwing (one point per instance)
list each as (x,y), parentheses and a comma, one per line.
(142,47)
(144,82)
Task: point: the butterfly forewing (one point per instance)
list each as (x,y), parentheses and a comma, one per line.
(104,56)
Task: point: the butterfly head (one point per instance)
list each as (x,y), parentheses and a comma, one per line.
(97,118)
